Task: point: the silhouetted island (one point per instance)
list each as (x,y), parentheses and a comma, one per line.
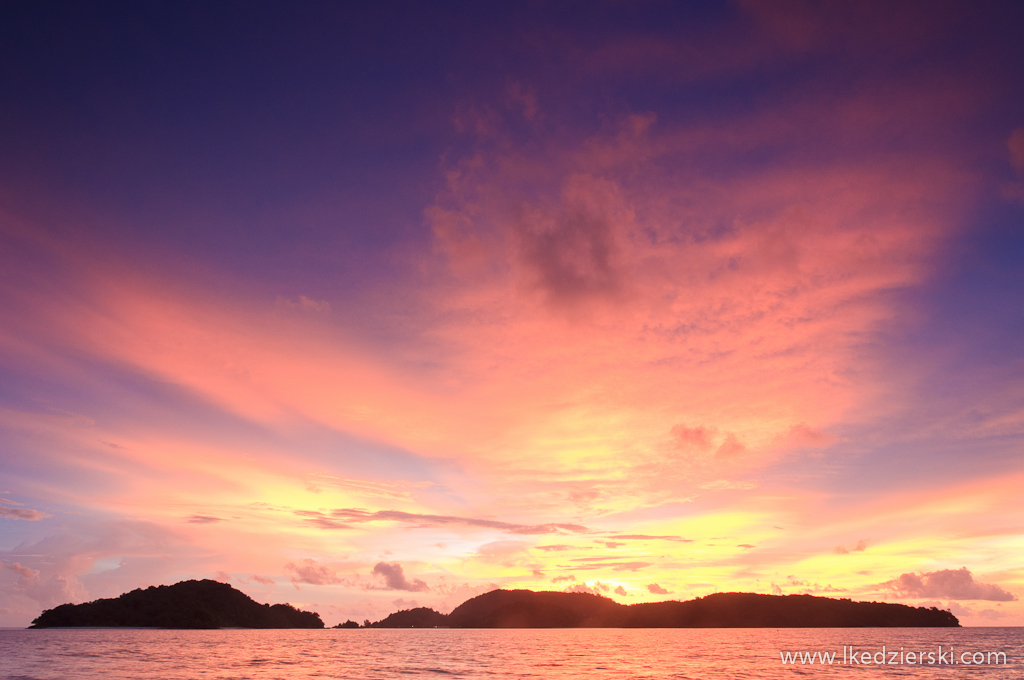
(348,624)
(530,609)
(420,617)
(188,604)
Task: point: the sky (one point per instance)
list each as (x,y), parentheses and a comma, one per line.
(370,306)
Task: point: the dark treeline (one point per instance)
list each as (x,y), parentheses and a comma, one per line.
(188,604)
(529,609)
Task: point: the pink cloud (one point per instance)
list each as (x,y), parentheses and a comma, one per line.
(953,584)
(24,572)
(309,571)
(22,513)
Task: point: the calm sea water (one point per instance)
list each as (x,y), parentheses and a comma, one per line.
(122,654)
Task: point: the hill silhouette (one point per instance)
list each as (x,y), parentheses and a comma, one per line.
(210,604)
(530,609)
(188,604)
(420,617)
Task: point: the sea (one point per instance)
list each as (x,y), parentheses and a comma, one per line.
(549,654)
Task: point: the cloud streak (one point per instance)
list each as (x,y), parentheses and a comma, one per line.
(20,512)
(425,521)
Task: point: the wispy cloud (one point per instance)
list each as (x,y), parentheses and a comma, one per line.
(614,564)
(423,521)
(20,512)
(646,537)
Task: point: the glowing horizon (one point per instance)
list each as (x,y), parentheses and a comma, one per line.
(681,301)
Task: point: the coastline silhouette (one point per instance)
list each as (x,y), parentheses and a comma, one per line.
(187,604)
(211,604)
(531,609)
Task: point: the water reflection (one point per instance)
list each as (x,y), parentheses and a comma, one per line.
(593,654)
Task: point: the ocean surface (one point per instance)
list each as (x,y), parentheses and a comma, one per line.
(623,654)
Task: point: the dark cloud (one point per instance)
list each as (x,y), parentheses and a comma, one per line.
(951,584)
(571,256)
(428,521)
(311,572)
(263,579)
(202,519)
(657,590)
(394,578)
(619,590)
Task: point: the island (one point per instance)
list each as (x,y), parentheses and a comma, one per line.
(210,604)
(530,609)
(188,604)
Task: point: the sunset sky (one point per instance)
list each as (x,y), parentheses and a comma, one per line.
(367,306)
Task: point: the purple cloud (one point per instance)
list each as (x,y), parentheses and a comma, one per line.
(394,578)
(22,513)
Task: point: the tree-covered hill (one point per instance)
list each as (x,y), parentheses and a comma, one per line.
(420,617)
(530,609)
(188,604)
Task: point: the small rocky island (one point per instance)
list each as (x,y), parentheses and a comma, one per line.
(188,604)
(529,609)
